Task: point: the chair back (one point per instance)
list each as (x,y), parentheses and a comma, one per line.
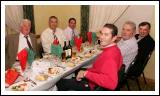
(41,51)
(137,65)
(121,73)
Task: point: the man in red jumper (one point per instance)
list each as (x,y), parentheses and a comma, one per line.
(104,71)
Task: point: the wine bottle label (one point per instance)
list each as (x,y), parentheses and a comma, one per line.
(69,52)
(66,53)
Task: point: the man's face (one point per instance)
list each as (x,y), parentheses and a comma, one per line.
(25,28)
(106,36)
(144,30)
(72,24)
(127,32)
(53,23)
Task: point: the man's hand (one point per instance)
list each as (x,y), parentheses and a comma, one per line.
(80,75)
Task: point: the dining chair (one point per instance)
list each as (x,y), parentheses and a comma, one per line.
(136,68)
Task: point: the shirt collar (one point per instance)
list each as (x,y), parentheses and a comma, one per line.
(51,31)
(22,35)
(69,28)
(125,41)
(110,45)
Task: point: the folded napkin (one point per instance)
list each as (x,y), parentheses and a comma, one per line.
(31,55)
(89,34)
(11,76)
(22,57)
(78,43)
(72,41)
(94,37)
(56,42)
(56,49)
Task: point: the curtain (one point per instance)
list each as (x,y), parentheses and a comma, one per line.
(29,14)
(13,17)
(84,21)
(102,14)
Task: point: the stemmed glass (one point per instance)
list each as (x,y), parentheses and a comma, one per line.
(27,72)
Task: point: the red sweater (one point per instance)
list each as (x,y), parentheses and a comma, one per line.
(105,69)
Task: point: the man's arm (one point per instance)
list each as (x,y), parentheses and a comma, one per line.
(45,43)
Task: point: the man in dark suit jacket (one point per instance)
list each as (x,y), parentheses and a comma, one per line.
(14,43)
(145,42)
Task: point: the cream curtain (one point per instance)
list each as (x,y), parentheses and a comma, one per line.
(13,17)
(102,14)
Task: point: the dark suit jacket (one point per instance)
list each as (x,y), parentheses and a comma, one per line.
(145,46)
(11,48)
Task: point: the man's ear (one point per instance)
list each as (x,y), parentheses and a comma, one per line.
(114,38)
(134,33)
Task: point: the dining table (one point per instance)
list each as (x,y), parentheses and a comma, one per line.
(85,56)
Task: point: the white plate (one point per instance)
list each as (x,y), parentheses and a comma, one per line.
(25,86)
(58,70)
(40,66)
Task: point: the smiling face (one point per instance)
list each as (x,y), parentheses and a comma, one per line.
(127,32)
(25,27)
(72,24)
(144,30)
(106,37)
(53,22)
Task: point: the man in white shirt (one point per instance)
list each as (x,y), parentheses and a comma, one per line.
(52,33)
(14,43)
(71,30)
(128,44)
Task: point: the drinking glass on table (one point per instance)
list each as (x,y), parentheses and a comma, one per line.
(56,60)
(27,73)
(45,55)
(27,70)
(73,54)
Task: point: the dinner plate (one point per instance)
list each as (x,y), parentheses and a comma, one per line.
(53,71)
(38,67)
(20,86)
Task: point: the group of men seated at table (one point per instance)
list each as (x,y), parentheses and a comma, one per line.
(104,71)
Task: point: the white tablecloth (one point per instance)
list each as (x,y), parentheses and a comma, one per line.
(51,81)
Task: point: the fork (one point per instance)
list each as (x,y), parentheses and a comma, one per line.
(28,79)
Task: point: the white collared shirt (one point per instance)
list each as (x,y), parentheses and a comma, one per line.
(139,38)
(47,38)
(129,49)
(23,42)
(68,33)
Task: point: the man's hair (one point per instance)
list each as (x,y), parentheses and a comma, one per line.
(132,24)
(25,20)
(145,23)
(113,27)
(71,19)
(52,17)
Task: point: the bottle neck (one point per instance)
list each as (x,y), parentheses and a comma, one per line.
(64,43)
(69,42)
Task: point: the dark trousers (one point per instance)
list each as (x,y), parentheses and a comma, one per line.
(73,85)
